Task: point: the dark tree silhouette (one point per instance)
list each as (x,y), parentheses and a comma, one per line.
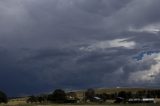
(89,94)
(58,96)
(40,99)
(3,97)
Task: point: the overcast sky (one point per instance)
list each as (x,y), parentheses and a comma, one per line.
(78,44)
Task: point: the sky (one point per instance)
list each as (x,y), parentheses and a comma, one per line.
(78,44)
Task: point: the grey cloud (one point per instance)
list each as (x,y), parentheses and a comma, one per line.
(102,7)
(40,43)
(136,13)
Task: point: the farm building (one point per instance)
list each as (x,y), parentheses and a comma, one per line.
(119,100)
(143,100)
(72,97)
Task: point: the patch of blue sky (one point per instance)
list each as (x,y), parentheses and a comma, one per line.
(140,55)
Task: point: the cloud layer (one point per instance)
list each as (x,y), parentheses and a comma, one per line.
(76,44)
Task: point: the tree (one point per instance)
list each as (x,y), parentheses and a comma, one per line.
(140,94)
(89,94)
(58,96)
(122,94)
(3,97)
(40,99)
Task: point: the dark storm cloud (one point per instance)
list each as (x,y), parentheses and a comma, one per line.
(135,14)
(74,44)
(102,7)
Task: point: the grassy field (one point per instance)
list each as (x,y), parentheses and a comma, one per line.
(84,105)
(23,103)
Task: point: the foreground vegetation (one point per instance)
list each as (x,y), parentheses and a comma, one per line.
(3,97)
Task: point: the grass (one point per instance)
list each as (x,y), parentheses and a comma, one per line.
(25,104)
(84,105)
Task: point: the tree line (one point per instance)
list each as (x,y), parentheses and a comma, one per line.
(59,96)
